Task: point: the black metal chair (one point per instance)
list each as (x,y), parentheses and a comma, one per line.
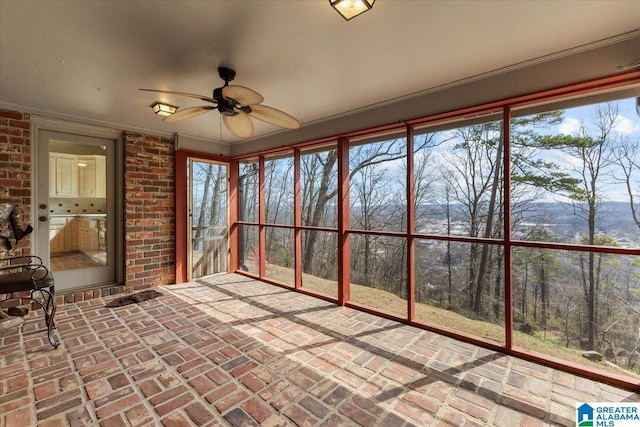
(28,273)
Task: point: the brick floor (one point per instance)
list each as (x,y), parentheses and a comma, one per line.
(235,351)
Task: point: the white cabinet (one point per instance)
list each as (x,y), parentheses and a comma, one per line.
(63,234)
(71,235)
(57,234)
(52,176)
(77,176)
(101,176)
(92,235)
(89,235)
(86,176)
(76,233)
(63,175)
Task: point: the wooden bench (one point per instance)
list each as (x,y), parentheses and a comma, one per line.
(28,273)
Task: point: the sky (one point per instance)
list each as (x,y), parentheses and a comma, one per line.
(626,126)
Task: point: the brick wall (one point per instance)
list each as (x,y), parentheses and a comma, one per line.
(15,169)
(149,206)
(15,186)
(149,211)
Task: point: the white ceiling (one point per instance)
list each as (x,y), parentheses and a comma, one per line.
(85,61)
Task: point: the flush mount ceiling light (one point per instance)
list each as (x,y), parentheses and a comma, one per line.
(351,8)
(162,109)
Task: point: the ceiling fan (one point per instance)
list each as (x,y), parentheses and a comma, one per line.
(237,104)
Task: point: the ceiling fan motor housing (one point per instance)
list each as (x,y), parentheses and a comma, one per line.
(226,106)
(226,74)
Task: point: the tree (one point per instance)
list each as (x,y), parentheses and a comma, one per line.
(319,174)
(472,165)
(367,205)
(594,156)
(278,206)
(628,157)
(316,199)
(247,206)
(544,265)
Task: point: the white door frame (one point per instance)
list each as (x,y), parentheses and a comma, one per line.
(40,124)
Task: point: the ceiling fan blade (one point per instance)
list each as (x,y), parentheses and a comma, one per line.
(243,95)
(190,95)
(239,125)
(274,116)
(187,113)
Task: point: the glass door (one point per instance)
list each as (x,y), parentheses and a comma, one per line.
(207,218)
(76,208)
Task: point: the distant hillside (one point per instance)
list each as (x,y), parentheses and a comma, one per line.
(565,220)
(612,219)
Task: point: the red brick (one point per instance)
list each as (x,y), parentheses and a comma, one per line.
(422,417)
(167,395)
(57,399)
(202,385)
(113,396)
(68,382)
(173,404)
(275,420)
(8,114)
(289,395)
(528,421)
(258,410)
(117,381)
(299,416)
(358,415)
(451,418)
(191,364)
(55,422)
(79,417)
(114,421)
(226,402)
(65,406)
(139,415)
(198,413)
(301,380)
(337,396)
(244,368)
(419,400)
(322,389)
(336,421)
(176,420)
(117,406)
(252,382)
(314,406)
(42,391)
(21,124)
(99,371)
(523,406)
(470,409)
(17,383)
(20,418)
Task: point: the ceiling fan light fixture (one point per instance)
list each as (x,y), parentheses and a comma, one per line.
(237,106)
(349,9)
(163,109)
